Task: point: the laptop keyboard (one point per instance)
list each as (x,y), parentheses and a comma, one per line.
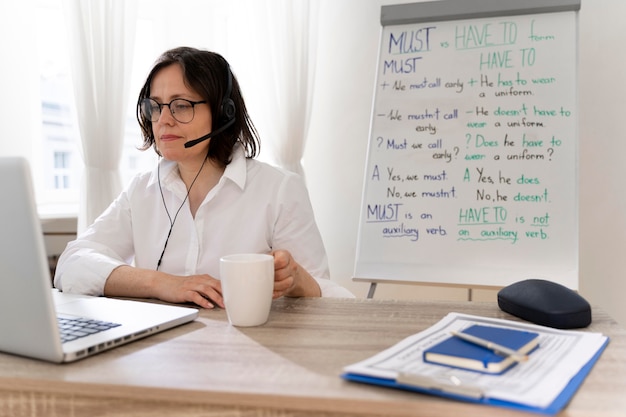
(72,328)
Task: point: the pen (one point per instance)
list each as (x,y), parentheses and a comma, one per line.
(499,349)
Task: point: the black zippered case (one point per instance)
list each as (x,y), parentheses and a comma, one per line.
(545,302)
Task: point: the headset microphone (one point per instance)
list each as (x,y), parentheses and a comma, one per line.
(209,135)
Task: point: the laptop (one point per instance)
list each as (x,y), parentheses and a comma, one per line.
(30,307)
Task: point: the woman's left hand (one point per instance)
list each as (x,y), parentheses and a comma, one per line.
(290,279)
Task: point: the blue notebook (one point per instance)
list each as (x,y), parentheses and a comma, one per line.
(460,353)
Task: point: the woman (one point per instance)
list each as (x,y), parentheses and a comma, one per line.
(165,233)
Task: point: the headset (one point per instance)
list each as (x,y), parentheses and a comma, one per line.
(227,111)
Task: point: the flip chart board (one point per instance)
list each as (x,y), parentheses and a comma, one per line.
(471,174)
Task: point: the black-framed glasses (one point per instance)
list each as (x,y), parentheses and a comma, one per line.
(182,110)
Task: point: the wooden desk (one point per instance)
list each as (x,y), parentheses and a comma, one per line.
(288,367)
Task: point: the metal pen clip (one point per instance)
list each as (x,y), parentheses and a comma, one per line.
(452,386)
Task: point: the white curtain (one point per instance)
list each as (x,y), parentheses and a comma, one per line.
(101,37)
(285,42)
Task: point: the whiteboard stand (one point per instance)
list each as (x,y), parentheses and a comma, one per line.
(372,290)
(470,290)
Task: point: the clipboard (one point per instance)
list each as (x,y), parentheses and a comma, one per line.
(457,390)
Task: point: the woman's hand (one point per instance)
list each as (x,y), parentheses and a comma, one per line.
(127,281)
(290,279)
(202,290)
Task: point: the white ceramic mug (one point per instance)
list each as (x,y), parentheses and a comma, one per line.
(247,287)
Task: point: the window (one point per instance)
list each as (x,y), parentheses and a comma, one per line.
(58,182)
(61,172)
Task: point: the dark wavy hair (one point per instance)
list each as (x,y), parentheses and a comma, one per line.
(206,73)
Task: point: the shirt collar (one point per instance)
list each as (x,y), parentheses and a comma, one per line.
(163,170)
(236,171)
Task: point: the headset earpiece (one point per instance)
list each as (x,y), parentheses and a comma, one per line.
(228,109)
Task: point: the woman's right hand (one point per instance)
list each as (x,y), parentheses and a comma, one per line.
(127,281)
(202,290)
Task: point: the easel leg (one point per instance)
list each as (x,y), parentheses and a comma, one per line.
(372,290)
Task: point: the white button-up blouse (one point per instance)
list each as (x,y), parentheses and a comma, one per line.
(255,208)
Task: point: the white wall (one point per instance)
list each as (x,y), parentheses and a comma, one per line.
(336,150)
(602,149)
